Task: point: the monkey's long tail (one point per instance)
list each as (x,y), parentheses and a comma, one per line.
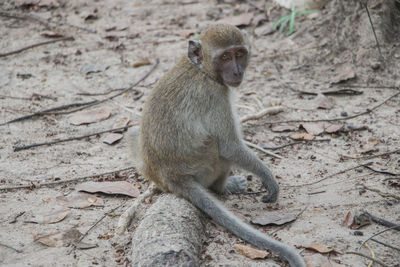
(203,200)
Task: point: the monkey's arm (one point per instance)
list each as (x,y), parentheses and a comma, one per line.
(243,157)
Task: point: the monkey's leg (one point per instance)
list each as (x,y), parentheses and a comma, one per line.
(129,214)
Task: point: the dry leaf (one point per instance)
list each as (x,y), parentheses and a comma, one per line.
(58,239)
(321,248)
(140,63)
(344,73)
(240,20)
(111,138)
(49,34)
(250,252)
(283,128)
(323,102)
(90,116)
(302,136)
(274,219)
(119,123)
(119,187)
(333,128)
(49,217)
(264,30)
(259,18)
(80,201)
(317,260)
(313,128)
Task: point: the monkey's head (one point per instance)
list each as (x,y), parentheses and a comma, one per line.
(222,51)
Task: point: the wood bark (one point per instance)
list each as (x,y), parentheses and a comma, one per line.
(170,234)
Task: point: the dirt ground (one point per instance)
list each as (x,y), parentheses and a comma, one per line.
(328,51)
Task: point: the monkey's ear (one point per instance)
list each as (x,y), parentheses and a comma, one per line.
(194,52)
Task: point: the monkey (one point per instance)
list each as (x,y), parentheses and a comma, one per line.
(189,135)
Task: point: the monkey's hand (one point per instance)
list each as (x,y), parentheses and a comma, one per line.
(272,185)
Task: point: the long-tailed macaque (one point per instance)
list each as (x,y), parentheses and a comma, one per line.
(190,135)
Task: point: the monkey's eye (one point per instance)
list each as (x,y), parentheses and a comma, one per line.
(224,57)
(239,54)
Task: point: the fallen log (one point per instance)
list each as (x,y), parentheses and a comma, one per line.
(170,234)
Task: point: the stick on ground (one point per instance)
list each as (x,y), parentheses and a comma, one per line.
(262,113)
(340,118)
(19,148)
(331,175)
(262,150)
(69,38)
(82,105)
(126,218)
(73,180)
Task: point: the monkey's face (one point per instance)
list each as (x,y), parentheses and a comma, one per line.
(230,65)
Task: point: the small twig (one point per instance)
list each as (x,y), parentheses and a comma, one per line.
(85,104)
(68,38)
(368,257)
(369,87)
(385,244)
(284,225)
(340,118)
(335,92)
(383,172)
(75,244)
(250,193)
(380,232)
(374,156)
(298,142)
(42,21)
(17,216)
(99,220)
(365,216)
(262,113)
(315,193)
(383,194)
(331,175)
(392,178)
(373,29)
(262,149)
(15,97)
(73,180)
(19,148)
(10,247)
(49,111)
(126,217)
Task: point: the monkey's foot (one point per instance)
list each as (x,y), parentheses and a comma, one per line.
(235,184)
(129,214)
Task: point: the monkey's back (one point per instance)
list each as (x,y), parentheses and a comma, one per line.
(175,140)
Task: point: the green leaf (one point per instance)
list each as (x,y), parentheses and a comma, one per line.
(292,18)
(283,25)
(279,21)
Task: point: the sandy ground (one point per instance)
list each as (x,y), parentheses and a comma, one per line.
(323,50)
